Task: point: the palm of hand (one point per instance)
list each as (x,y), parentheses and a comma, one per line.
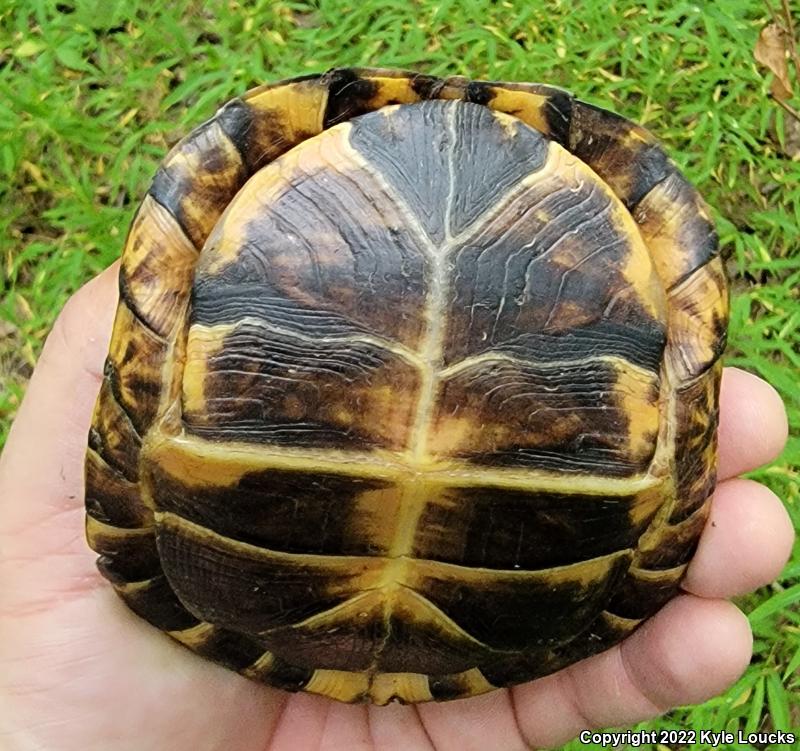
(78,671)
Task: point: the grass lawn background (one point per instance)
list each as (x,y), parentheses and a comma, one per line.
(94,92)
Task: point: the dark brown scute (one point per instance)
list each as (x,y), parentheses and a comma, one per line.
(677,543)
(516,530)
(598,137)
(604,632)
(675,210)
(236,121)
(559,116)
(249,593)
(641,596)
(347,644)
(198,179)
(508,613)
(479,92)
(546,244)
(560,419)
(515,669)
(415,151)
(126,379)
(450,686)
(128,559)
(294,512)
(110,498)
(696,419)
(361,639)
(311,264)
(233,650)
(426,86)
(156,602)
(269,387)
(286,676)
(113,437)
(348,95)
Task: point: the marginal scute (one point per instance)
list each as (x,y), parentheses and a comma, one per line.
(546,108)
(234,650)
(134,368)
(413,386)
(155,601)
(698,321)
(354,92)
(126,555)
(674,543)
(278,117)
(624,154)
(157,268)
(697,417)
(112,498)
(676,225)
(279,673)
(457,685)
(198,179)
(112,435)
(645,591)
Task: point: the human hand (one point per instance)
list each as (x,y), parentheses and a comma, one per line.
(78,671)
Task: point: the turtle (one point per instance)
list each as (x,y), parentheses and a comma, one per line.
(412,389)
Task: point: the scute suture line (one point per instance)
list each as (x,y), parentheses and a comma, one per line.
(377,341)
(499,356)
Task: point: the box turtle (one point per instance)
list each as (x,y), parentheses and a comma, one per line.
(412,390)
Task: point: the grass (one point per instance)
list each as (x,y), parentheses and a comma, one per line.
(93,92)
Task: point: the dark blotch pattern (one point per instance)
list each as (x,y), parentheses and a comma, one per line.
(697,417)
(559,419)
(349,95)
(236,120)
(631,166)
(110,498)
(235,651)
(156,602)
(510,529)
(294,512)
(247,593)
(500,612)
(269,387)
(127,559)
(198,179)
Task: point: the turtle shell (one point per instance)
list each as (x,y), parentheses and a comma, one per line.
(412,388)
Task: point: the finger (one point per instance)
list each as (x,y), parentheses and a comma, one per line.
(485,721)
(745,544)
(397,727)
(689,651)
(43,459)
(41,469)
(753,427)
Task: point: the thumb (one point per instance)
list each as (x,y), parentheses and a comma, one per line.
(41,468)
